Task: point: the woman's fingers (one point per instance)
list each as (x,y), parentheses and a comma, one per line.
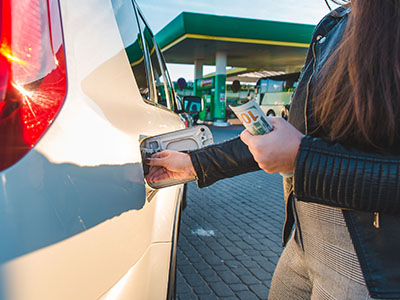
(275,120)
(158,159)
(159,177)
(246,136)
(152,171)
(157,174)
(156,162)
(169,164)
(161,154)
(277,150)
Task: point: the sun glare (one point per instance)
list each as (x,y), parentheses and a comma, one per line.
(22,90)
(7,53)
(26,96)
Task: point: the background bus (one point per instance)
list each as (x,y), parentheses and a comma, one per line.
(273,93)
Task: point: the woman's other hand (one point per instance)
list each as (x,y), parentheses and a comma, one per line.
(169,165)
(276,151)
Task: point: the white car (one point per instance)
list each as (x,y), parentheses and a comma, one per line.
(82,82)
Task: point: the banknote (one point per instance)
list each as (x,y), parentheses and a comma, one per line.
(254,120)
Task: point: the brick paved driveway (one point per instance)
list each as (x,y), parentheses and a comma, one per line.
(230,238)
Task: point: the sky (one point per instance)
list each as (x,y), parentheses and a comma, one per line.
(160,12)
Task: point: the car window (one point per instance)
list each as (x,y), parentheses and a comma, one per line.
(275,86)
(162,96)
(168,81)
(131,37)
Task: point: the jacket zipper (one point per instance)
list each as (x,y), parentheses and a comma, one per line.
(376,220)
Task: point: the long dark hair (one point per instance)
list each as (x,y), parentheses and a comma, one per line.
(358,98)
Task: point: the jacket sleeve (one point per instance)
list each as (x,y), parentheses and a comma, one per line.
(223,160)
(332,174)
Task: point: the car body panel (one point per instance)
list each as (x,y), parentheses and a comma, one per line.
(74,217)
(81,266)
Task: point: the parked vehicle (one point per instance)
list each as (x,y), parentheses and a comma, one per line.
(81,84)
(273,93)
(193,105)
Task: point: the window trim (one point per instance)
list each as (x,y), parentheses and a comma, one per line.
(149,69)
(153,99)
(162,63)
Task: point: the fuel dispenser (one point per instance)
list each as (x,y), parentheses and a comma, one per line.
(213,91)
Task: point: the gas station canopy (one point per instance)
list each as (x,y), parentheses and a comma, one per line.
(248,43)
(202,39)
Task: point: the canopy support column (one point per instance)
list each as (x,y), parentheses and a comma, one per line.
(198,68)
(220,89)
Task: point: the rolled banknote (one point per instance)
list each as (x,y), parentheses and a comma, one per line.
(255,120)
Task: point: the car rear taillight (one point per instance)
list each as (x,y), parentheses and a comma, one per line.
(33,80)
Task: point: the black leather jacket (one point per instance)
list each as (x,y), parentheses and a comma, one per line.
(360,182)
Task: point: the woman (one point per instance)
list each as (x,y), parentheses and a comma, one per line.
(342,143)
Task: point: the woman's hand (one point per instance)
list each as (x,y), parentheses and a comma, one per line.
(169,165)
(276,151)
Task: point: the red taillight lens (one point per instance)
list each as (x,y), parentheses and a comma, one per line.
(33,80)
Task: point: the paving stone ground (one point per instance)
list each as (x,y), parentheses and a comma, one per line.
(230,239)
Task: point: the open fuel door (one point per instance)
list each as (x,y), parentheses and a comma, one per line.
(181,140)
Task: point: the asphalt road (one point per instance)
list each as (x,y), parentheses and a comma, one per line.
(230,239)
